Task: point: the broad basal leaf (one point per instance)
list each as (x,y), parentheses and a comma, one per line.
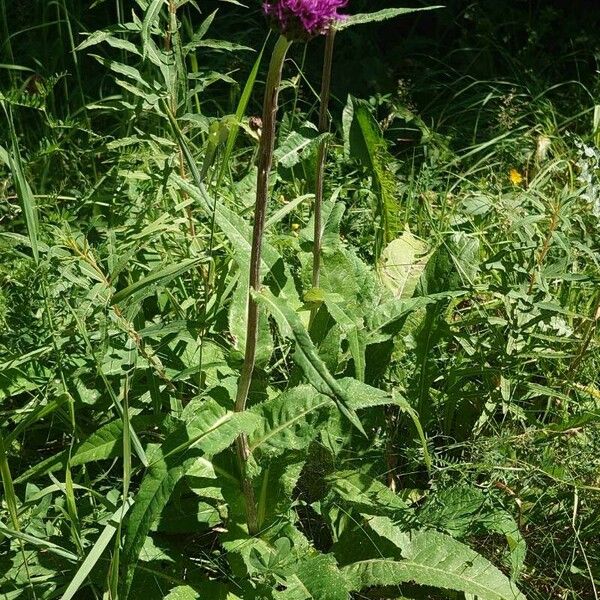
(289,421)
(388,314)
(366,494)
(306,355)
(209,428)
(402,263)
(316,578)
(434,559)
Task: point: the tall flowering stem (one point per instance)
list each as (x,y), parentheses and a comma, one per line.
(265,161)
(323,128)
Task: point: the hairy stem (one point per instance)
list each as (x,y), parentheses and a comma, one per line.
(265,161)
(323,128)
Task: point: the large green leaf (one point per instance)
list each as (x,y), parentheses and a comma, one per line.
(36,414)
(460,510)
(306,355)
(102,444)
(317,577)
(388,314)
(366,494)
(209,429)
(105,442)
(403,261)
(437,560)
(289,421)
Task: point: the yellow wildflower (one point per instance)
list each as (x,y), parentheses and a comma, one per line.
(515,177)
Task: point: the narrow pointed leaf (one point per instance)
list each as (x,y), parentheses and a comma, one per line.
(96,551)
(380,15)
(307,356)
(146,285)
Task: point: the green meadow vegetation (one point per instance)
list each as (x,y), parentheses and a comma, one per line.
(393,395)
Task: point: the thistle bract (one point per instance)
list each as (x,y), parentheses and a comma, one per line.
(303,19)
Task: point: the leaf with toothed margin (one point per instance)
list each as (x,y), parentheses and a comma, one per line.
(289,422)
(208,429)
(380,15)
(307,356)
(433,559)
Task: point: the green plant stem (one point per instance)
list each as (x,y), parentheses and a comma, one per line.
(587,338)
(6,33)
(265,161)
(11,503)
(321,156)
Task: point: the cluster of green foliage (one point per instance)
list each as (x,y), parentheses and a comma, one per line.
(456,315)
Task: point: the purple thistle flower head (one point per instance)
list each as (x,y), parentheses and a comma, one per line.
(303,19)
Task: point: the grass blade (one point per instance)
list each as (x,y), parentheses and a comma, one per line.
(28,203)
(97,550)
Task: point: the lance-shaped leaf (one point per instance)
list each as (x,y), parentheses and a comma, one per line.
(380,15)
(433,559)
(209,429)
(307,356)
(289,422)
(102,444)
(364,141)
(238,318)
(316,578)
(367,495)
(150,19)
(96,551)
(24,193)
(149,284)
(388,314)
(351,327)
